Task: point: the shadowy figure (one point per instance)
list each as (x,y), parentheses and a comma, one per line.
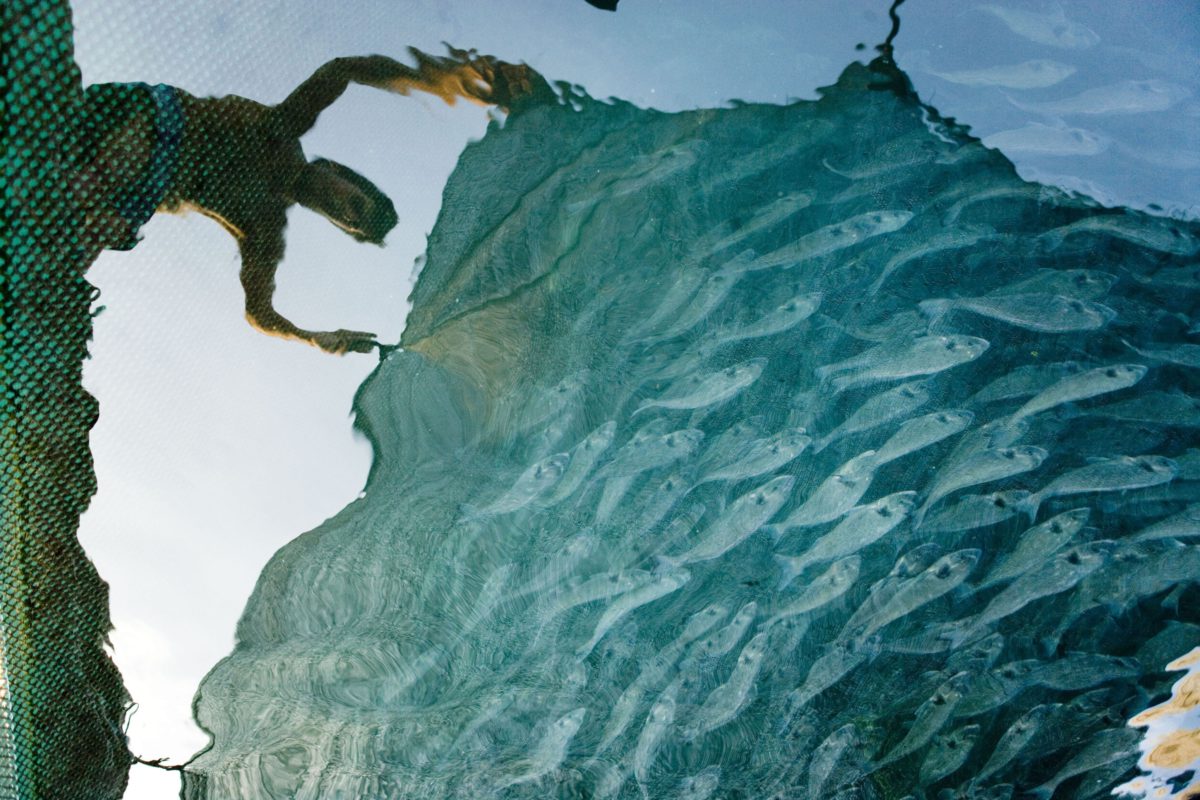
(158,148)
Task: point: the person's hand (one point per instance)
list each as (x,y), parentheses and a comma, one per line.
(500,83)
(342,341)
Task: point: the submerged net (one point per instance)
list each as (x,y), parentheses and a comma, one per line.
(797,451)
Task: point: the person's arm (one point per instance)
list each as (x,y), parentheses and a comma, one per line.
(480,79)
(262,249)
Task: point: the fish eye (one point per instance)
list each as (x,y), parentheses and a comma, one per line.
(1074,558)
(1146,466)
(951,345)
(1110,373)
(884,511)
(1000,502)
(943,571)
(1055,527)
(1009,454)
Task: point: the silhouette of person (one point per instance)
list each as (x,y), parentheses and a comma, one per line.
(157,148)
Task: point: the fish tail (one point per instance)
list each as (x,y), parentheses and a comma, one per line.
(774,531)
(790,567)
(667,563)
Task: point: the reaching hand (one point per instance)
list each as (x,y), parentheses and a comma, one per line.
(498,82)
(342,341)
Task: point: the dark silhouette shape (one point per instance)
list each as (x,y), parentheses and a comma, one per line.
(240,162)
(607,5)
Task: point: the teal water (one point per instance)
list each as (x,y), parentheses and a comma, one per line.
(721,460)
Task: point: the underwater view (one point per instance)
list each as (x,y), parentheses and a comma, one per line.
(805,407)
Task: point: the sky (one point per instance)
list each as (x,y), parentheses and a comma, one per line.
(216,445)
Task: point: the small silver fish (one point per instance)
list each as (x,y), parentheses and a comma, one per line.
(727,446)
(1123,97)
(1038,73)
(1024,381)
(1053,28)
(650,451)
(893,404)
(1080,284)
(550,752)
(1045,313)
(948,753)
(724,640)
(657,502)
(778,320)
(762,456)
(912,563)
(824,589)
(836,495)
(535,480)
(705,390)
(838,660)
(1160,408)
(630,602)
(654,672)
(862,526)
(712,292)
(1081,386)
(1035,545)
(1167,237)
(976,511)
(1018,736)
(826,756)
(922,432)
(700,786)
(941,577)
(766,217)
(1039,139)
(583,457)
(743,517)
(1057,575)
(727,701)
(658,723)
(561,564)
(925,355)
(930,717)
(1108,475)
(1105,747)
(952,239)
(832,238)
(1185,355)
(984,466)
(1184,525)
(1077,671)
(579,591)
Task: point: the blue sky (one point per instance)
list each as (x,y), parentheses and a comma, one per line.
(216,445)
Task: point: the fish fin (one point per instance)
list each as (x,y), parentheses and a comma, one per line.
(1029,506)
(643,407)
(667,563)
(842,382)
(787,565)
(825,163)
(934,309)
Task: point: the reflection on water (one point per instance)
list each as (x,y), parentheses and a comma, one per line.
(766,451)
